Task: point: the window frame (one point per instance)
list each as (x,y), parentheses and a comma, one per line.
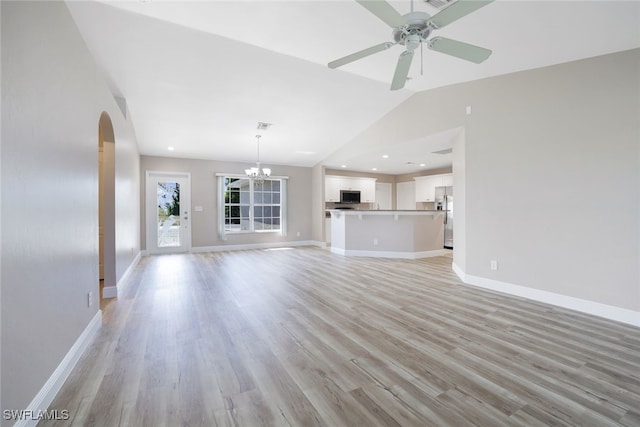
(252,205)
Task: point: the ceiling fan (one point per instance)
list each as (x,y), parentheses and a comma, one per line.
(412,29)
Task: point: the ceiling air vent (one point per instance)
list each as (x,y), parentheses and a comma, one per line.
(445,151)
(263,126)
(440,4)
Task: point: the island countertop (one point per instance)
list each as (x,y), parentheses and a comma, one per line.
(361,212)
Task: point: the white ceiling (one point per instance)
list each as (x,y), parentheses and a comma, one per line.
(198,76)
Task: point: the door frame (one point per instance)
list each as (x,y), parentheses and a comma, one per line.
(151,211)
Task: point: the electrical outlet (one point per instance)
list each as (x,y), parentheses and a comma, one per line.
(89,299)
(298,234)
(375,242)
(494,264)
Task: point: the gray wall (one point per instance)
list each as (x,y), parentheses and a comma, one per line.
(552,174)
(52,98)
(204,225)
(317,203)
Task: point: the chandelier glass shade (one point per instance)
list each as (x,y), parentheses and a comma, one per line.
(257,173)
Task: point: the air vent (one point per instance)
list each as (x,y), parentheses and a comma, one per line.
(263,126)
(440,4)
(445,151)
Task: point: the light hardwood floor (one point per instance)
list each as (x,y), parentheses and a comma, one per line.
(303,337)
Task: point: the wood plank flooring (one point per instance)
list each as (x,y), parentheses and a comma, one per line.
(303,337)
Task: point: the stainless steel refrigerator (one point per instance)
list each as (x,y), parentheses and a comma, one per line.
(444,197)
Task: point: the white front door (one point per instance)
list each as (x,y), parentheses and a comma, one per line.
(168,212)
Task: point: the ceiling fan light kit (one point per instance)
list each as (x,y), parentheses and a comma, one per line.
(414,28)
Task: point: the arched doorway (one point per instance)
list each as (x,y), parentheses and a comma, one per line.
(106,207)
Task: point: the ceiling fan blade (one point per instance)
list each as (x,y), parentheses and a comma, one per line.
(402,70)
(458,49)
(456,11)
(384,11)
(361,54)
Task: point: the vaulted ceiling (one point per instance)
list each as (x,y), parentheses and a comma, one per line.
(198,76)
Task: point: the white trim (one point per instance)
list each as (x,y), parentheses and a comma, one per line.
(247,246)
(240,175)
(122,283)
(459,272)
(51,388)
(338,251)
(319,243)
(590,307)
(112,291)
(389,254)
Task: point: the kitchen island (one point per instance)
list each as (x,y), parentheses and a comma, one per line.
(387,233)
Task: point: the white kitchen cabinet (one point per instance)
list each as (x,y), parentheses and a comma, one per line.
(332,188)
(333,184)
(426,186)
(367,187)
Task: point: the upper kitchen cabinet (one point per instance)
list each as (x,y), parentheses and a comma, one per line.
(426,186)
(333,184)
(367,190)
(332,188)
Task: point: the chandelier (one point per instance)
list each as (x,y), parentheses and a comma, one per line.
(258,174)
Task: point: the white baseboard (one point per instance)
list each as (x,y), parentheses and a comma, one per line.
(112,291)
(48,392)
(122,283)
(109,292)
(589,307)
(200,249)
(389,254)
(459,272)
(338,251)
(319,243)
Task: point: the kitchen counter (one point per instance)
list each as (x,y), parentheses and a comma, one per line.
(387,233)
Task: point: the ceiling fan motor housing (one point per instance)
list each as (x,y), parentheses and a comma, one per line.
(414,30)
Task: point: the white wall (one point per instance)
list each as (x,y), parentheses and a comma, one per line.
(552,174)
(52,98)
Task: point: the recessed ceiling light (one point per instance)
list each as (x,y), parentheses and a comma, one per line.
(385,156)
(343,166)
(374,169)
(306,153)
(422,164)
(170,148)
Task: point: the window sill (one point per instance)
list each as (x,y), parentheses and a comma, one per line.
(228,233)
